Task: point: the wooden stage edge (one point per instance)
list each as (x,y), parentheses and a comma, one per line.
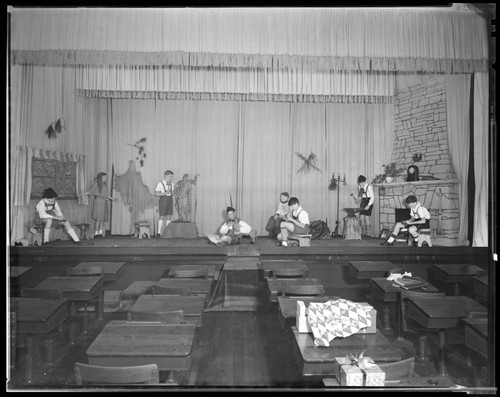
(160,253)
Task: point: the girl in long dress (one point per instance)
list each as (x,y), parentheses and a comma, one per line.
(100,207)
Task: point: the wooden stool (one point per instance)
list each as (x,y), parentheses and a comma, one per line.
(142,228)
(83,230)
(423,235)
(38,236)
(303,239)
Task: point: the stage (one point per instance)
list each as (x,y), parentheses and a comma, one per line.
(131,249)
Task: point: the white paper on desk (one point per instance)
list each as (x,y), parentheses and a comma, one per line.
(336,318)
(395,276)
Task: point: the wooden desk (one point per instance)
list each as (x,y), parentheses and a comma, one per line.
(277,286)
(476,335)
(38,316)
(210,269)
(480,288)
(192,306)
(198,286)
(78,289)
(365,270)
(123,343)
(269,266)
(287,307)
(19,277)
(457,274)
(111,270)
(441,313)
(383,290)
(314,360)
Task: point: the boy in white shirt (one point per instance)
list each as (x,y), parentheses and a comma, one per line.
(232,230)
(165,190)
(297,222)
(273,225)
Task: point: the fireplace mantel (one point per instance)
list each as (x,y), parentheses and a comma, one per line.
(419,183)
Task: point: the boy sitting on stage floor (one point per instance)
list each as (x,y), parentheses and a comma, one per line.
(232,230)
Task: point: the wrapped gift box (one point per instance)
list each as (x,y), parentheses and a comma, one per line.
(358,374)
(302,322)
(372,329)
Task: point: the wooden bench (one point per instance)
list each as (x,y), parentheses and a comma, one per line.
(304,240)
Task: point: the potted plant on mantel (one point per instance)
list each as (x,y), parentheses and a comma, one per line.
(391,171)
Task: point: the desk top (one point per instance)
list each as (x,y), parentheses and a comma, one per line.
(145,339)
(442,312)
(111,270)
(375,346)
(369,269)
(210,269)
(198,286)
(457,273)
(276,286)
(74,288)
(384,290)
(38,315)
(190,305)
(16,271)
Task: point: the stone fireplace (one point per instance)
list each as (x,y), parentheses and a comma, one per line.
(420,125)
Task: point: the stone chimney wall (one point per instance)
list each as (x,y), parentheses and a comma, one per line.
(420,127)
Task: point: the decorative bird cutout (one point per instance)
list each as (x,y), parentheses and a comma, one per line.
(309,163)
(141,155)
(55,126)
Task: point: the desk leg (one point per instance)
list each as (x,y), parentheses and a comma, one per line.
(441,343)
(171,379)
(30,356)
(49,348)
(456,289)
(400,341)
(386,314)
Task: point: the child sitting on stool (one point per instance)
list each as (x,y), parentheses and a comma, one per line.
(48,213)
(419,220)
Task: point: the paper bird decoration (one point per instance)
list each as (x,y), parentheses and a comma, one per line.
(55,126)
(309,163)
(141,155)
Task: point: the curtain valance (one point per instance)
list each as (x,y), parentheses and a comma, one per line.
(399,39)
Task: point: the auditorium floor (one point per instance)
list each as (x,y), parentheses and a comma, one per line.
(231,349)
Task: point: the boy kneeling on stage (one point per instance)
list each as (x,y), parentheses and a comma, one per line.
(419,220)
(47,213)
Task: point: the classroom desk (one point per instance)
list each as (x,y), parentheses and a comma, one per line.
(269,265)
(383,290)
(198,286)
(81,289)
(314,360)
(287,307)
(111,270)
(457,274)
(441,313)
(18,277)
(476,335)
(480,288)
(124,343)
(192,306)
(365,270)
(38,316)
(277,286)
(210,269)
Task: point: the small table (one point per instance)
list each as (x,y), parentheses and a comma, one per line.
(315,360)
(365,270)
(277,286)
(457,274)
(270,265)
(78,289)
(111,270)
(287,307)
(192,305)
(131,343)
(35,316)
(441,313)
(384,291)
